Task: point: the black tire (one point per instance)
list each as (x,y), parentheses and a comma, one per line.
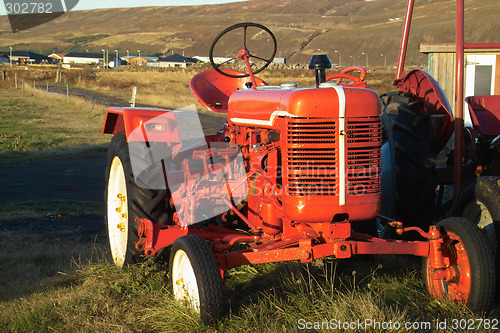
(408,187)
(141,202)
(460,233)
(479,202)
(209,289)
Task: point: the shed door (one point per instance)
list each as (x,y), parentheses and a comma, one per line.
(480,78)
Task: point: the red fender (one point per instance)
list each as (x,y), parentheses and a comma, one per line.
(141,124)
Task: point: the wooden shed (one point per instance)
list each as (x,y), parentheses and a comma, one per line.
(482,70)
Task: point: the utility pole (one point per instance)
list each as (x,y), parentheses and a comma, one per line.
(385,59)
(366,59)
(10,56)
(340,57)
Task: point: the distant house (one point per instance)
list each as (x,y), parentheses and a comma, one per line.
(279,60)
(126,59)
(217,60)
(140,61)
(175,60)
(57,57)
(118,63)
(83,58)
(25,58)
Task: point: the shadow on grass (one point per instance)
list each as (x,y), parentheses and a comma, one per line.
(15,156)
(248,283)
(28,259)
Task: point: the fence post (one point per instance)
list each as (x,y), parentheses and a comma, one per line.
(58,75)
(34,89)
(67,92)
(23,86)
(134,96)
(91,108)
(15,79)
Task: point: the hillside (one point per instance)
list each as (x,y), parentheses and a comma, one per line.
(302,27)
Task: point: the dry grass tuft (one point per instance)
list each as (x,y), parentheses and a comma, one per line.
(264,298)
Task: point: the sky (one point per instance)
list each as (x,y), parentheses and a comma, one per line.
(93,4)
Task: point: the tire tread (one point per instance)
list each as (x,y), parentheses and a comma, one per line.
(213,301)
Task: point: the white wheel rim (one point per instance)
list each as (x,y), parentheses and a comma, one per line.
(184,286)
(117,212)
(480,215)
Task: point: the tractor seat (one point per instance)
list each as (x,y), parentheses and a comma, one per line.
(213,89)
(485,113)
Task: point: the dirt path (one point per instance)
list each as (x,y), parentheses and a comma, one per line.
(99,98)
(211,123)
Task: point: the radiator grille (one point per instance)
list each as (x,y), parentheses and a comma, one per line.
(311,158)
(364,139)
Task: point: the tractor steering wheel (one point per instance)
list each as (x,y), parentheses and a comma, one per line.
(244,53)
(343,75)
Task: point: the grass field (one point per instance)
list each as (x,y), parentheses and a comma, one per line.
(265,298)
(42,124)
(59,282)
(169,88)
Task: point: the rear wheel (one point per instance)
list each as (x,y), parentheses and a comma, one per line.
(465,248)
(408,162)
(195,278)
(127,201)
(479,202)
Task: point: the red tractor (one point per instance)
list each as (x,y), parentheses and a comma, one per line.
(294,175)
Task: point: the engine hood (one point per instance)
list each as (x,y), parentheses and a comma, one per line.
(261,107)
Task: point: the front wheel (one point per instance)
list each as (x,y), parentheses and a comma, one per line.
(195,278)
(127,201)
(467,252)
